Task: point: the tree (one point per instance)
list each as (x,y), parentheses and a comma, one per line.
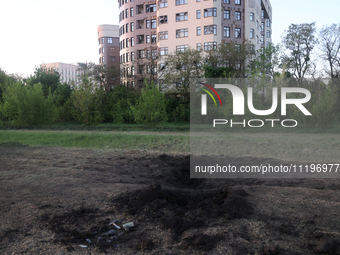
(330,48)
(229,60)
(47,77)
(179,68)
(86,103)
(106,76)
(151,107)
(267,61)
(299,40)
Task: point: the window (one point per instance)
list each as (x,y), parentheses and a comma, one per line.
(237,1)
(181,16)
(127,71)
(102,49)
(210,46)
(252,33)
(140,39)
(163,19)
(148,55)
(237,15)
(147,23)
(132,73)
(127,42)
(198,46)
(198,14)
(141,69)
(132,41)
(268,34)
(262,39)
(123,27)
(103,40)
(153,23)
(211,29)
(112,49)
(122,14)
(163,35)
(123,44)
(126,13)
(131,27)
(127,57)
(262,14)
(140,24)
(153,38)
(181,33)
(140,9)
(180,2)
(262,26)
(210,12)
(268,22)
(252,16)
(132,56)
(198,31)
(102,59)
(182,48)
(127,27)
(109,40)
(237,32)
(141,54)
(150,8)
(131,12)
(226,14)
(226,1)
(163,3)
(154,53)
(163,51)
(226,31)
(148,39)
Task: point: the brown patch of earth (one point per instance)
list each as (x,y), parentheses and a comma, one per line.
(55,200)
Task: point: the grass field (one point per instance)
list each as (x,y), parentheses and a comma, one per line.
(283,144)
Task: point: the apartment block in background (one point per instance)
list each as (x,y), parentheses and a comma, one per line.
(108,40)
(68,72)
(157,28)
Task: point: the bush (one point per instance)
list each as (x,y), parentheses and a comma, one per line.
(150,109)
(26,105)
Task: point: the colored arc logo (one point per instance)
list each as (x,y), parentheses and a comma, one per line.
(213,90)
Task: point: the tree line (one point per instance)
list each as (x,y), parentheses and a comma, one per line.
(165,97)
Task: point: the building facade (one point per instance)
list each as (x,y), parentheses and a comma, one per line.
(157,28)
(108,41)
(69,73)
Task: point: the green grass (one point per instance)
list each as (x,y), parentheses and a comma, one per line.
(166,143)
(168,127)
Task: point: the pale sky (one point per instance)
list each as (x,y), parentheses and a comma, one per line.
(40,31)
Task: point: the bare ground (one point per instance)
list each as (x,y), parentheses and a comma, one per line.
(53,199)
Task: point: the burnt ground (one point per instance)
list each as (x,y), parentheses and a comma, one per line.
(55,200)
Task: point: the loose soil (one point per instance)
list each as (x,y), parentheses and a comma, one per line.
(59,200)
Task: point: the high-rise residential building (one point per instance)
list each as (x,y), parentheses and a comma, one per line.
(69,73)
(108,40)
(150,28)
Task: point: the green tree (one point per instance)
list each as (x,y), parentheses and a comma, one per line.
(26,105)
(267,61)
(229,60)
(179,68)
(150,109)
(87,103)
(48,78)
(299,41)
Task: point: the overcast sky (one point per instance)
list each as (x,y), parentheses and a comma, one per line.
(39,31)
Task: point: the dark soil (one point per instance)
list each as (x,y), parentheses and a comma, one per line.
(57,201)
